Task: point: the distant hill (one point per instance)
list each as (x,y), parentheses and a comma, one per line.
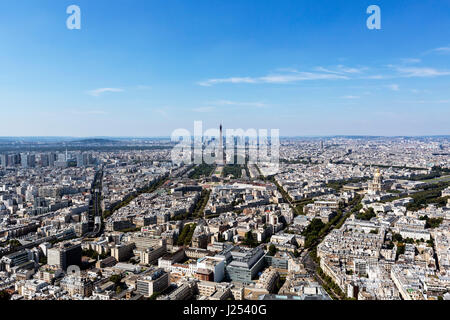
(94,141)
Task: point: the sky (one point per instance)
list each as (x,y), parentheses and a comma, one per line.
(147,67)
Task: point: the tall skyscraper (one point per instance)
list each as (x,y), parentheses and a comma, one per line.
(32,161)
(4,160)
(80,162)
(221,138)
(220,161)
(62,157)
(24,160)
(27,160)
(51,159)
(44,160)
(13,159)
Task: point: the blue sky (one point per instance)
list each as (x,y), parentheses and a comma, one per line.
(145,68)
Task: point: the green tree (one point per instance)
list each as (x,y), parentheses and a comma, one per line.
(433,223)
(397,237)
(184,233)
(366,215)
(249,240)
(116,278)
(272,250)
(154,295)
(400,249)
(14,243)
(188,238)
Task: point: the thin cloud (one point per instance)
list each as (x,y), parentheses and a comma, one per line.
(417,91)
(301,76)
(100,91)
(275,78)
(287,70)
(404,71)
(204,109)
(427,101)
(441,50)
(351,70)
(350,97)
(162,112)
(377,77)
(421,72)
(211,82)
(394,87)
(410,60)
(143,87)
(322,69)
(89,112)
(240,104)
(340,72)
(341,69)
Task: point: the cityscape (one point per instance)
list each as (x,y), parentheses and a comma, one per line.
(344,218)
(216,158)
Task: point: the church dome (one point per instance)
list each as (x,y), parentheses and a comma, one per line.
(377,173)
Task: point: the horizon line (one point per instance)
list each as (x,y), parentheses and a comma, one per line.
(285,136)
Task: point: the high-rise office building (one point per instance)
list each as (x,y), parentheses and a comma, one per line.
(65,255)
(44,160)
(62,157)
(15,259)
(12,160)
(32,161)
(24,160)
(157,281)
(83,159)
(80,162)
(4,160)
(242,264)
(51,159)
(27,160)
